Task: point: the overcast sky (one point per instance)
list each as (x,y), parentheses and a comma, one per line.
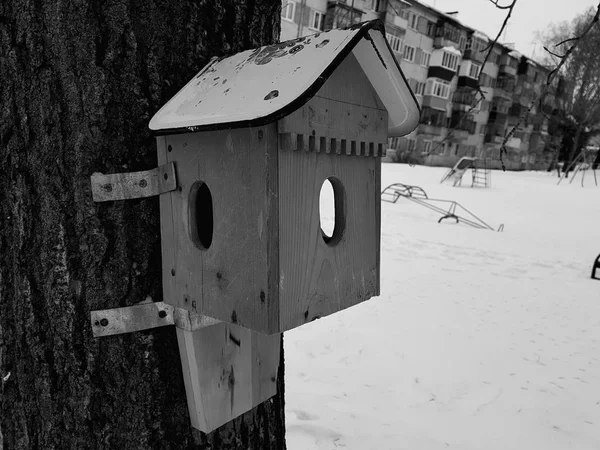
(529,16)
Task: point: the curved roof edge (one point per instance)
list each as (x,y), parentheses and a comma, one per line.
(230,92)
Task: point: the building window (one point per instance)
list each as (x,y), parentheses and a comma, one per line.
(438,88)
(287,11)
(474,71)
(425,58)
(427,146)
(375,5)
(420,88)
(317,22)
(395,42)
(433,117)
(430,29)
(412,143)
(462,42)
(450,61)
(409,53)
(413,20)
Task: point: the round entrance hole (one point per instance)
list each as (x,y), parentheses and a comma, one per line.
(201,215)
(332,210)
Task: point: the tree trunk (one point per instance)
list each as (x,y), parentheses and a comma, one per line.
(80,81)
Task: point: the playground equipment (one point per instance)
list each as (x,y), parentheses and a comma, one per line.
(580,163)
(449,209)
(595,266)
(481,174)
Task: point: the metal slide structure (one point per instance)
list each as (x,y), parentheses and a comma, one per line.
(582,164)
(481,176)
(449,209)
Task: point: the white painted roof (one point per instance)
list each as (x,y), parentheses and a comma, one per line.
(262,85)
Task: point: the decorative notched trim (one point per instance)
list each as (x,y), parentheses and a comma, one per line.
(323,144)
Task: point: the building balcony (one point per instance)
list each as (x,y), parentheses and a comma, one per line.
(474,55)
(516,110)
(440,41)
(400,22)
(502,92)
(467,82)
(508,69)
(464,97)
(341,15)
(462,122)
(497,117)
(458,134)
(433,130)
(493,139)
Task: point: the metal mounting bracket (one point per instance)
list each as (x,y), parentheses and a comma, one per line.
(130,185)
(108,322)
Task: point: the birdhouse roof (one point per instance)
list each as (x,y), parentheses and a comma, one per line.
(259,86)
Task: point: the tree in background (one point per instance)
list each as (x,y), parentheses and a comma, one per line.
(80,82)
(579,98)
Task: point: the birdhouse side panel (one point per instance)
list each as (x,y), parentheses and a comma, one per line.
(339,136)
(222,255)
(320,275)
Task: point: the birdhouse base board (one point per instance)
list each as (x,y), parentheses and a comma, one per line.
(227,371)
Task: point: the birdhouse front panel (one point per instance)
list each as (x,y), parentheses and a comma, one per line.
(339,136)
(219,228)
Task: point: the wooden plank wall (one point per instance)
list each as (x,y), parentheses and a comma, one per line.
(235,279)
(227,371)
(339,133)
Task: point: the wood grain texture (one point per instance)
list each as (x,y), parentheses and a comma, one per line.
(235,279)
(340,131)
(227,371)
(317,279)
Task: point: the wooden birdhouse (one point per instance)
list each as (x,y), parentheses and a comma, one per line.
(243,151)
(253,137)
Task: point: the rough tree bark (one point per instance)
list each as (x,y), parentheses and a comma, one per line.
(80,81)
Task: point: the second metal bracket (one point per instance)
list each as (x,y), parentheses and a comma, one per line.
(145,316)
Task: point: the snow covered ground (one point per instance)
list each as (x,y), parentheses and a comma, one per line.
(480,340)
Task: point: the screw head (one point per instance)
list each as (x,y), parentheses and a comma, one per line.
(143,183)
(104,322)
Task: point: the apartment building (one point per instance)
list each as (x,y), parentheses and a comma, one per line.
(442,59)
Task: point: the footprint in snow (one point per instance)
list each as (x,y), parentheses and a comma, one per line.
(303,415)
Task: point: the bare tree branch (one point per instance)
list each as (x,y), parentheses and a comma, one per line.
(553,54)
(566,40)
